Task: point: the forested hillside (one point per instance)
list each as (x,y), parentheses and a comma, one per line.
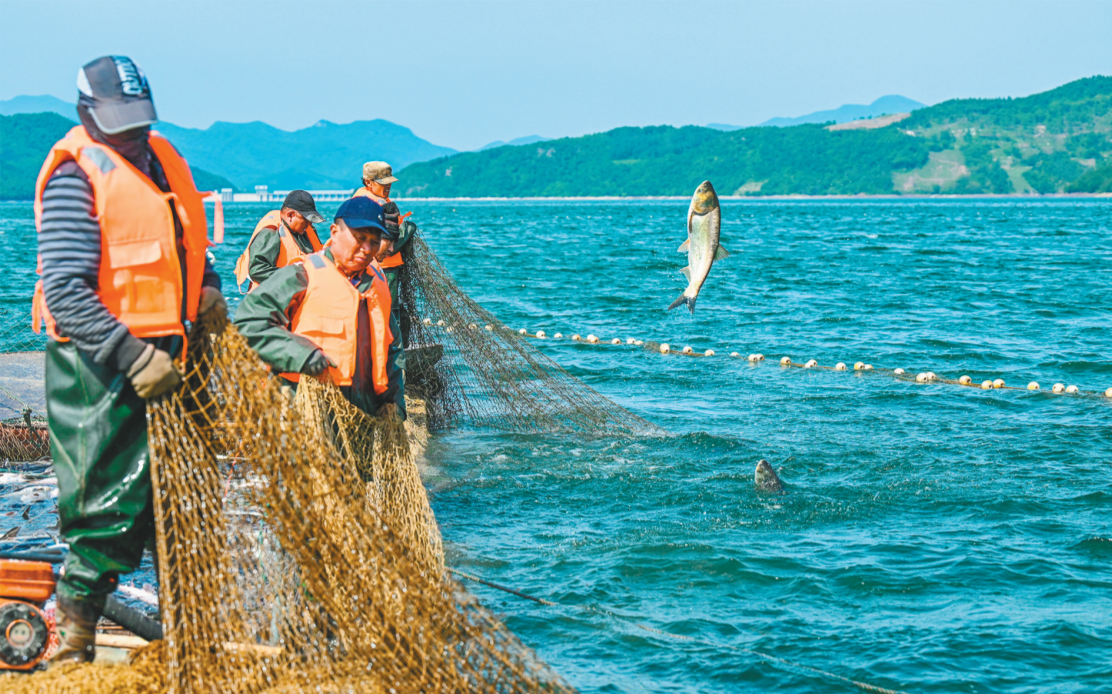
(1057,141)
(26,138)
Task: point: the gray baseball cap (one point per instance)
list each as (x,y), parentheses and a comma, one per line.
(117,92)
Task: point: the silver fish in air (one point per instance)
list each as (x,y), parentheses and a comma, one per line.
(704,223)
(766,478)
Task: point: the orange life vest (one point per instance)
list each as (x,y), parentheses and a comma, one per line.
(329,317)
(140,278)
(390,260)
(288,251)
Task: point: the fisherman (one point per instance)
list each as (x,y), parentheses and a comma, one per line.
(122,254)
(329,315)
(289,234)
(378,177)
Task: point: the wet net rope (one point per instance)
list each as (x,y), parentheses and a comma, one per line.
(299,578)
(470,370)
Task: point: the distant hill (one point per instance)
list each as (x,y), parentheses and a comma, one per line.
(527,140)
(1042,143)
(26,138)
(38,104)
(884,106)
(325,155)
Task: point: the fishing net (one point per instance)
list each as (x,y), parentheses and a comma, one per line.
(289,561)
(23,434)
(472,369)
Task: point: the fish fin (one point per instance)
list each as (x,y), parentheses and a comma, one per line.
(684,299)
(721,253)
(685,247)
(686,272)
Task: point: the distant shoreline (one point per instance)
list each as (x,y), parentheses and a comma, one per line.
(760,198)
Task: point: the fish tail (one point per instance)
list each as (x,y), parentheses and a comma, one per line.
(684,299)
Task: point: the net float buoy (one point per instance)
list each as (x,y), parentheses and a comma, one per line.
(810,364)
(687,350)
(558,335)
(1071,389)
(489,328)
(448,329)
(899,372)
(540,334)
(427,321)
(592,338)
(1032,386)
(1058,388)
(785,361)
(868,367)
(440,323)
(986,385)
(472,326)
(757,357)
(1108,393)
(931,376)
(965,380)
(616,341)
(522,331)
(639,343)
(630,341)
(922,378)
(665,348)
(736,355)
(576,337)
(998,383)
(708,353)
(858,366)
(839,367)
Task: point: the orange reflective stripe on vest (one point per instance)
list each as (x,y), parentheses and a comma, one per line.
(288,251)
(140,278)
(394,260)
(329,317)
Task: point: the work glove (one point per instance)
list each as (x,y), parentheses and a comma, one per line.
(390,214)
(153,373)
(212,300)
(317,363)
(408,229)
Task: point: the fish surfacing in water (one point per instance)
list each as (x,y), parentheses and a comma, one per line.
(766,479)
(704,225)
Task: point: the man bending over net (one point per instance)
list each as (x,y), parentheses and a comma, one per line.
(329,314)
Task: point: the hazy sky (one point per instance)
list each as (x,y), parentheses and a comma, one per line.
(462,74)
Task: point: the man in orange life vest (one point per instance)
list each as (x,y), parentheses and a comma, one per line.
(328,314)
(123,256)
(378,177)
(281,237)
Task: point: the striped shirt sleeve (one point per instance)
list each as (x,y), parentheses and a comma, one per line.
(69,244)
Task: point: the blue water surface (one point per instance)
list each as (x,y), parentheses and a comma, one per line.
(932,538)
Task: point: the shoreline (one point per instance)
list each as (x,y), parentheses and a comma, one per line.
(781,198)
(751,198)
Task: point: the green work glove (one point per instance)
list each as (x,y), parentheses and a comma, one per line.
(317,363)
(212,300)
(153,373)
(408,229)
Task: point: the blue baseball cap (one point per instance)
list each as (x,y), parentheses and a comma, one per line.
(363,213)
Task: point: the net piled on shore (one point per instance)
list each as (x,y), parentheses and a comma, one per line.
(23,434)
(486,376)
(296,579)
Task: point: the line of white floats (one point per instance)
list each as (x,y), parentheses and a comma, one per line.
(665,348)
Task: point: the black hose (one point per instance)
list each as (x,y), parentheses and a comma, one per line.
(132,619)
(31,555)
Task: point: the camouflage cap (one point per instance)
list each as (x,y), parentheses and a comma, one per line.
(379,172)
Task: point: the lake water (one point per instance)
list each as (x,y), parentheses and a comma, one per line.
(933,538)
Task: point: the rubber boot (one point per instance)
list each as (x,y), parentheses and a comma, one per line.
(77,631)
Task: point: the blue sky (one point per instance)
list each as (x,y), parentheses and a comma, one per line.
(462,74)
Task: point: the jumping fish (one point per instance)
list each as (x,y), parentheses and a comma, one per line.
(766,479)
(704,222)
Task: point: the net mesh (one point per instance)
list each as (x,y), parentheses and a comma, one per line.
(292,562)
(472,369)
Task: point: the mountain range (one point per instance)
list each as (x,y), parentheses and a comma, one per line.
(885,105)
(1056,141)
(1053,142)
